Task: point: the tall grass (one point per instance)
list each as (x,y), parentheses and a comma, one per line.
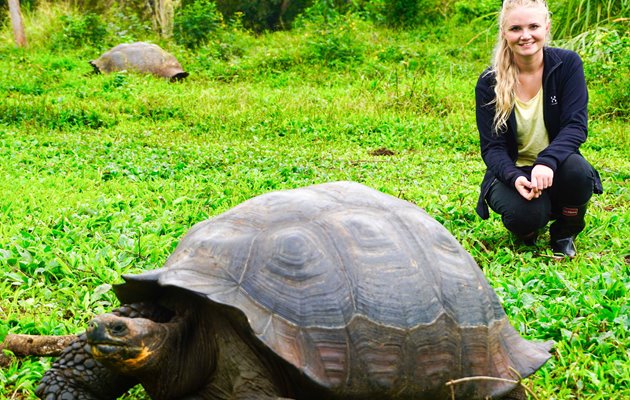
(577,16)
(101,175)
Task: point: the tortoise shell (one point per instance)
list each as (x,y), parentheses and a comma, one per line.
(362,292)
(140,57)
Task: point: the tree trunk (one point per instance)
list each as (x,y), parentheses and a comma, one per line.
(16,21)
(163,14)
(283,8)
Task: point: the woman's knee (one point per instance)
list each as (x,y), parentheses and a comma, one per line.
(524,220)
(575,170)
(519,215)
(573,180)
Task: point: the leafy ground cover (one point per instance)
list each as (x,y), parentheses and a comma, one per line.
(102,175)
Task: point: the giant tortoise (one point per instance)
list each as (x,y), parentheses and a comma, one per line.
(140,57)
(333,291)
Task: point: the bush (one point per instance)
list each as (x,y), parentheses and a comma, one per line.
(81,30)
(605,52)
(402,13)
(466,10)
(96,6)
(196,22)
(262,15)
(331,37)
(126,25)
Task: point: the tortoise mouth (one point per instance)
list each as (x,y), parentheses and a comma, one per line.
(113,349)
(108,348)
(119,356)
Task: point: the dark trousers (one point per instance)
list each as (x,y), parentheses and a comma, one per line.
(572,187)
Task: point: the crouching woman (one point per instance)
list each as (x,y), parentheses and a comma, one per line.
(531,110)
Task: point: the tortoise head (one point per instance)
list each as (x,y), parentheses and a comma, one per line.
(128,345)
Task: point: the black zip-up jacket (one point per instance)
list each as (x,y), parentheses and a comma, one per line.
(565,114)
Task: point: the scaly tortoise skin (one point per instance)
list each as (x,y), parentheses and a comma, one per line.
(140,57)
(333,291)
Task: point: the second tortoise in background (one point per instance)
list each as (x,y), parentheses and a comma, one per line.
(140,57)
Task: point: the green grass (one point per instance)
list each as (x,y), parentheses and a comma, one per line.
(102,175)
(577,16)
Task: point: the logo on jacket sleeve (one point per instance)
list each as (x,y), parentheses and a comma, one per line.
(554,100)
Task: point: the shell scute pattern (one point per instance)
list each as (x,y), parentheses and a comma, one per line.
(310,294)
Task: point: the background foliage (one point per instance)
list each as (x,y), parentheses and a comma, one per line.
(101,175)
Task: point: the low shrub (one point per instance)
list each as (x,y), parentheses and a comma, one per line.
(196,23)
(78,30)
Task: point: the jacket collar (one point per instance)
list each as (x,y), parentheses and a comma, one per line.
(551,61)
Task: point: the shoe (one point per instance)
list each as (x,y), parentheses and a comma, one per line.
(564,247)
(529,239)
(563,231)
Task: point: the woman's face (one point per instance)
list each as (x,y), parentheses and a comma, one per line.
(525,30)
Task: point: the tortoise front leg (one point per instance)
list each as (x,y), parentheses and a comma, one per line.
(516,394)
(75,375)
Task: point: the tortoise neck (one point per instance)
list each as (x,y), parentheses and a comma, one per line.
(241,368)
(188,359)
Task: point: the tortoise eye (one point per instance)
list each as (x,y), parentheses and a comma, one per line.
(118,329)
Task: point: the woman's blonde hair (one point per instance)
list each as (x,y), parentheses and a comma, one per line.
(504,68)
